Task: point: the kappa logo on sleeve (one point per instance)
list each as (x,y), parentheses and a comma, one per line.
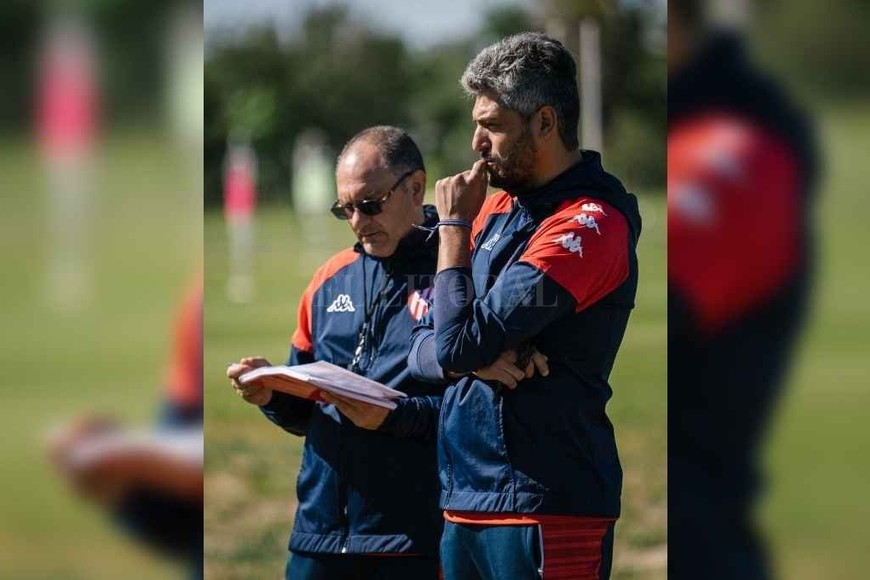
(418,303)
(593,208)
(342,303)
(571,242)
(587,221)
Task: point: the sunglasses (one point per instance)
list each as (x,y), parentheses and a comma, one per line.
(369,207)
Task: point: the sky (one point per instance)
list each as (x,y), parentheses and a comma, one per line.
(421,23)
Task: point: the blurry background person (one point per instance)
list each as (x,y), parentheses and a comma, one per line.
(139,240)
(67,124)
(741,174)
(151,481)
(240,198)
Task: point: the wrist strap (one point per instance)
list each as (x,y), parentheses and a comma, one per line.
(448,222)
(457,222)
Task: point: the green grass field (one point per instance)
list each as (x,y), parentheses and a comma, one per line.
(251,465)
(145,238)
(819,470)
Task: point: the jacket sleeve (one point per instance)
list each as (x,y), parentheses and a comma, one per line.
(286,411)
(414,417)
(566,267)
(422,361)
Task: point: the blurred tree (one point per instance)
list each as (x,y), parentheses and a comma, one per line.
(18,33)
(576,10)
(338,77)
(440,112)
(635,100)
(130,40)
(251,112)
(504,21)
(634,84)
(823,45)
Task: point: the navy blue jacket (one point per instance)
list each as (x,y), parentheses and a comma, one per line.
(555,266)
(364,491)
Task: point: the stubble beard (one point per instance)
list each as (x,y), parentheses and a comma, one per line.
(514,171)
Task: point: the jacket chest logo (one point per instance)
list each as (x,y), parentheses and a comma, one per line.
(342,303)
(418,303)
(490,243)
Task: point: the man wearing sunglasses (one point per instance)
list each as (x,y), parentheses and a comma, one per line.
(368,497)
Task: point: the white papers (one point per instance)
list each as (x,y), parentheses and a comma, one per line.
(325,376)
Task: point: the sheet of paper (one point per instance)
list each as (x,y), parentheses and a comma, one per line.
(303,380)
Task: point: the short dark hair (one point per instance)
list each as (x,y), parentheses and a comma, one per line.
(399,152)
(527,71)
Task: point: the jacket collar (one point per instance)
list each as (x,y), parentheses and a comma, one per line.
(587,177)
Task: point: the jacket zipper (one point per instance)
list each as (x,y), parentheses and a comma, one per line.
(345,528)
(368,338)
(377,313)
(344,495)
(449,461)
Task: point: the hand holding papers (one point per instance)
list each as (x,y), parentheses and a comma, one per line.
(306,381)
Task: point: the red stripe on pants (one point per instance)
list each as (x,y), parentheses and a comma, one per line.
(572,551)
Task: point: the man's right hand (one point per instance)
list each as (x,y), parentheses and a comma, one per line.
(506,371)
(253,394)
(461,196)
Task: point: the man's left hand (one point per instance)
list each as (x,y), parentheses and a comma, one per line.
(363,415)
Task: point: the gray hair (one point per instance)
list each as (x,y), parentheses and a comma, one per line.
(527,71)
(399,152)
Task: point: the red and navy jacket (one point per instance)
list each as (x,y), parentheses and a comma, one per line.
(555,266)
(364,491)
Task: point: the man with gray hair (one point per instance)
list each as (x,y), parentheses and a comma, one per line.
(530,477)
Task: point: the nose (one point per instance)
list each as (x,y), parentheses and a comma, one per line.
(480,141)
(358,219)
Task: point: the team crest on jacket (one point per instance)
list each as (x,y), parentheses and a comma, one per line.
(490,243)
(418,303)
(342,303)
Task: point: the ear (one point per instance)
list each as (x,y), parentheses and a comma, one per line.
(547,123)
(418,186)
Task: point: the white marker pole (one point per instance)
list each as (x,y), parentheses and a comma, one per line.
(590,85)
